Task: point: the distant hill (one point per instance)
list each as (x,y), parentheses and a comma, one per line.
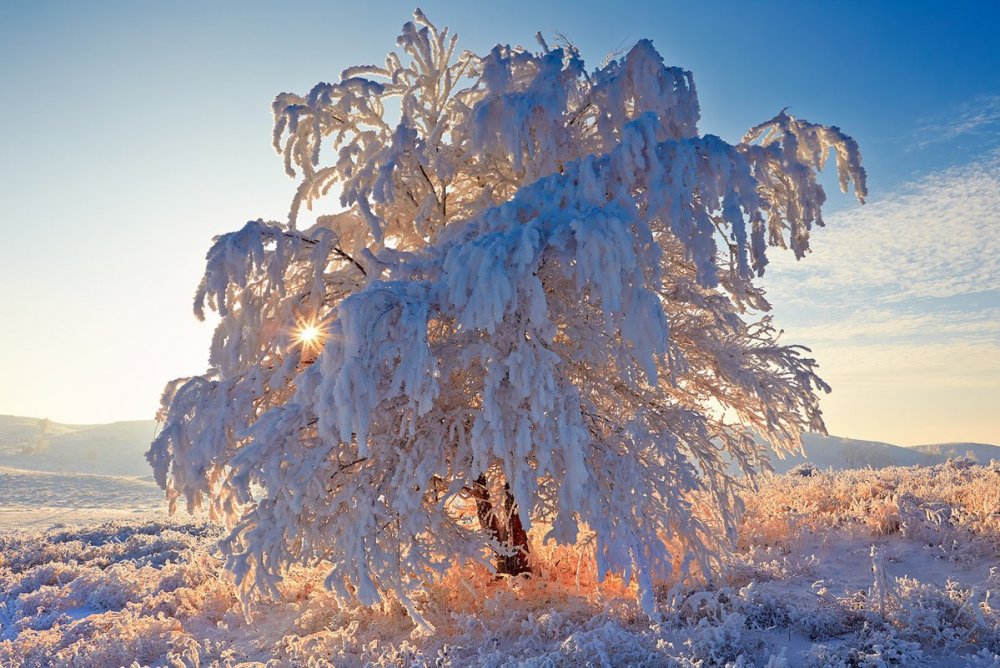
(982,452)
(116,449)
(838,453)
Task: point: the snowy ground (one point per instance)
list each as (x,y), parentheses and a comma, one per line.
(40,499)
(800,591)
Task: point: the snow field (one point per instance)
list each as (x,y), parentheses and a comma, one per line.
(40,498)
(895,567)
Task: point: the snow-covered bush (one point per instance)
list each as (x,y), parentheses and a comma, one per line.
(873,648)
(725,642)
(804,469)
(535,312)
(947,508)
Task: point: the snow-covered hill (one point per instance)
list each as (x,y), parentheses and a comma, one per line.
(59,474)
(833,452)
(840,454)
(116,449)
(981,452)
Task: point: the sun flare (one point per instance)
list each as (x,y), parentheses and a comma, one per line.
(310,335)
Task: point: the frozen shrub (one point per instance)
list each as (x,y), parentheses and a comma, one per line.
(805,469)
(725,642)
(872,648)
(961,462)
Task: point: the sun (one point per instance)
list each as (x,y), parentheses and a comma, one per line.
(310,334)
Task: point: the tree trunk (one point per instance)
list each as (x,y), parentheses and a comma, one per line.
(505,526)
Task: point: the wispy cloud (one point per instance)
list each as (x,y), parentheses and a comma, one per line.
(975,116)
(865,326)
(900,302)
(938,237)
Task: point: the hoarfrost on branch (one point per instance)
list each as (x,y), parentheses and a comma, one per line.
(539,286)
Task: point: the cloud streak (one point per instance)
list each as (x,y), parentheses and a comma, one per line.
(938,237)
(973,117)
(864,325)
(900,302)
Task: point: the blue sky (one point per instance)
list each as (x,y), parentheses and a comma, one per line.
(137,131)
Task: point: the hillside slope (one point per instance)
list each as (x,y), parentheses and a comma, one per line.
(841,454)
(116,449)
(981,452)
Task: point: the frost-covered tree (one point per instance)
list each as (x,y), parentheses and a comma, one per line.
(534,314)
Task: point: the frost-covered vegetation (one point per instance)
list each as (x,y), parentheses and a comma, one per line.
(895,567)
(533,314)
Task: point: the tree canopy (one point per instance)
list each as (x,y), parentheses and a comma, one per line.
(536,304)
